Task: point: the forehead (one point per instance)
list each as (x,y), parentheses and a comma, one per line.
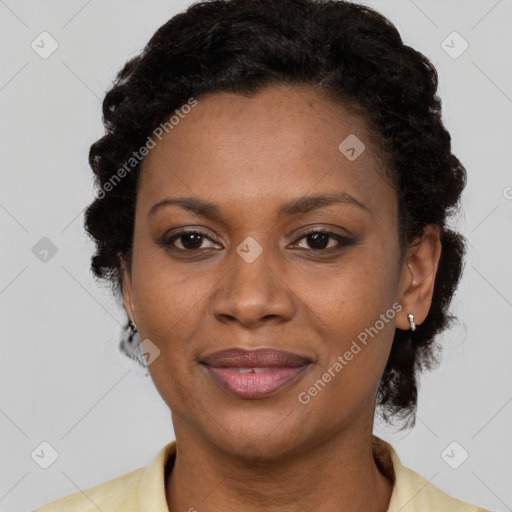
(279,143)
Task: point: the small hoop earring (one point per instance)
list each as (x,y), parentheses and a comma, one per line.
(410,316)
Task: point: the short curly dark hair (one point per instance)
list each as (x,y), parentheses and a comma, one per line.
(352,54)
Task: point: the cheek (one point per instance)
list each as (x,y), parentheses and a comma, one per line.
(352,306)
(169,307)
(356,345)
(167,294)
(350,296)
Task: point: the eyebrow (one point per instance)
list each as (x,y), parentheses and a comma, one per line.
(302,204)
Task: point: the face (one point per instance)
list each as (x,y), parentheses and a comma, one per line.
(264,267)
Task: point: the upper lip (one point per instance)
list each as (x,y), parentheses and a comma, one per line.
(254,358)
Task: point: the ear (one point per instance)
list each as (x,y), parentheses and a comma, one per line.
(418,276)
(126,290)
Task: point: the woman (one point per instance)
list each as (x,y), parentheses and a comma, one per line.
(273,193)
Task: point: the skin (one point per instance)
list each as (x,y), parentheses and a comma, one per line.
(250,155)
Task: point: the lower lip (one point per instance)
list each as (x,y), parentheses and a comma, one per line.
(255,385)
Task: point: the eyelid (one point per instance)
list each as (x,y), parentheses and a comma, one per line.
(325,228)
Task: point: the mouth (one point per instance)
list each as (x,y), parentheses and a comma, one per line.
(252,374)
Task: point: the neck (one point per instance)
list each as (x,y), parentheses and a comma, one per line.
(337,474)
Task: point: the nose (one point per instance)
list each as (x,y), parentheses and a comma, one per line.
(253,293)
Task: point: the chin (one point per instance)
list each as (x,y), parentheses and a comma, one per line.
(258,441)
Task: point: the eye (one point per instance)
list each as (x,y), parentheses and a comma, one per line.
(319,239)
(190,240)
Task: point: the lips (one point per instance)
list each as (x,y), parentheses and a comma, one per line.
(254,374)
(265,357)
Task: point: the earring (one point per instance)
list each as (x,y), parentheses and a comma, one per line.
(410,316)
(132,325)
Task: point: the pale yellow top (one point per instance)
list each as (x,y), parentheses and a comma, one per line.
(143,490)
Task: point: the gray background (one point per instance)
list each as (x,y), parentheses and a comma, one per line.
(62,378)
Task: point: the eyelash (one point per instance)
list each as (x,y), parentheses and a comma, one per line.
(342,240)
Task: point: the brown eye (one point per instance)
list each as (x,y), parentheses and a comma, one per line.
(190,240)
(318,241)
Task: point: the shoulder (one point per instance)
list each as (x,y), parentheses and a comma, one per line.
(141,489)
(118,494)
(414,493)
(418,494)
